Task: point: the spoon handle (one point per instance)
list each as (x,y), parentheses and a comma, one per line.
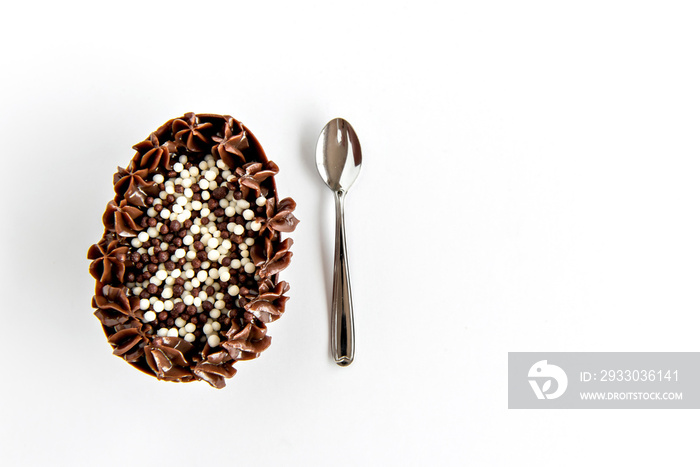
(342,324)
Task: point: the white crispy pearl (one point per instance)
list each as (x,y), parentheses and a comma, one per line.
(255,226)
(158,306)
(207,329)
(144,304)
(249,268)
(158,178)
(250,241)
(191,255)
(236,263)
(215,313)
(195,229)
(173,332)
(260,201)
(179,322)
(161,274)
(167,292)
(143,236)
(202,275)
(213,340)
(180,253)
(216,325)
(169,305)
(188,240)
(176,273)
(219,305)
(189,273)
(205,195)
(248,214)
(149,316)
(243,204)
(203,184)
(213,242)
(188,300)
(136,243)
(162,332)
(190,327)
(170,189)
(238,229)
(230,211)
(169,280)
(196,205)
(178,167)
(189,337)
(233,290)
(165,213)
(210,175)
(213,255)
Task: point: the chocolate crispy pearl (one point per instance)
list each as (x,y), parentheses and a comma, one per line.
(204,251)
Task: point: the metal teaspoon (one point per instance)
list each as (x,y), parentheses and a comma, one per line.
(338,158)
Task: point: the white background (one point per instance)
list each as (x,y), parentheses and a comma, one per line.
(530,183)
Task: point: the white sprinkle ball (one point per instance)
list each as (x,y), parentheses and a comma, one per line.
(205,195)
(226,244)
(213,255)
(197,302)
(250,241)
(225,276)
(238,229)
(230,211)
(158,178)
(195,229)
(245,253)
(216,325)
(180,253)
(173,332)
(213,242)
(202,276)
(177,167)
(233,290)
(207,329)
(181,332)
(203,295)
(170,189)
(242,246)
(220,164)
(249,268)
(181,200)
(195,282)
(245,261)
(213,274)
(191,254)
(167,292)
(260,201)
(162,332)
(188,240)
(215,313)
(169,305)
(136,243)
(213,340)
(248,214)
(189,273)
(209,281)
(144,304)
(204,212)
(210,175)
(165,213)
(189,337)
(190,327)
(170,280)
(236,263)
(219,305)
(143,236)
(219,296)
(182,159)
(223,203)
(179,322)
(203,184)
(158,306)
(177,209)
(188,300)
(175,273)
(255,226)
(161,274)
(184,175)
(243,204)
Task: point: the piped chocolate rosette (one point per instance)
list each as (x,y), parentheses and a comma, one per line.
(187,268)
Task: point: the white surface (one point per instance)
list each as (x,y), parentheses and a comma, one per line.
(530,184)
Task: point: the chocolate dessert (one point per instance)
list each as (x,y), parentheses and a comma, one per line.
(187,268)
